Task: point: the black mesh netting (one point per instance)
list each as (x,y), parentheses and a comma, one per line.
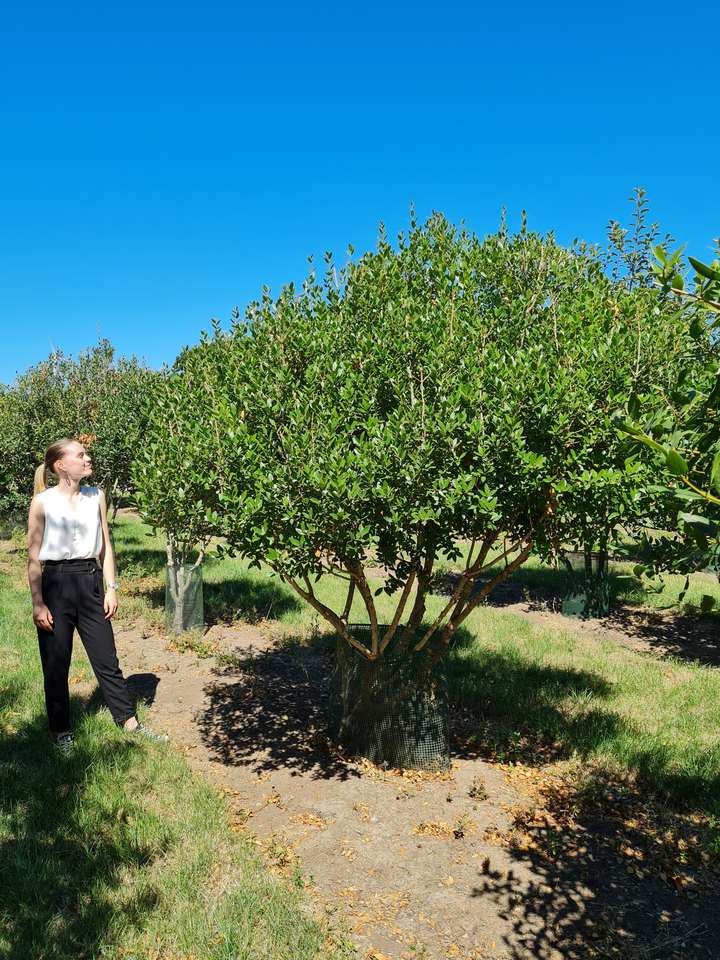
(588,594)
(183,598)
(390,710)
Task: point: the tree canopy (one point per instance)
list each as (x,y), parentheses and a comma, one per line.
(446,389)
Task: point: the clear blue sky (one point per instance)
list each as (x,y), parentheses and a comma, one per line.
(160,162)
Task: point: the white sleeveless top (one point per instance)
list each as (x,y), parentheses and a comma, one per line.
(71,534)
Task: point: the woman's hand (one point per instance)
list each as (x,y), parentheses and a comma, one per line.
(42,617)
(110,603)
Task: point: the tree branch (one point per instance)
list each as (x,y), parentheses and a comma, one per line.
(458,618)
(467,578)
(398,612)
(418,610)
(348,603)
(357,572)
(329,615)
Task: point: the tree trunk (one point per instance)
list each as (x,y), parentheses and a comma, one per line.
(391,710)
(183,591)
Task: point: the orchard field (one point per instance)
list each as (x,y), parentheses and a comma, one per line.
(489,468)
(606,730)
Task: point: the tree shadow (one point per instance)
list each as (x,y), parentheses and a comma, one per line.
(510,710)
(582,902)
(607,872)
(240,596)
(274,707)
(271,710)
(693,638)
(58,869)
(140,561)
(538,587)
(248,598)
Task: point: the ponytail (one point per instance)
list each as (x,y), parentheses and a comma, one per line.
(41,478)
(44,469)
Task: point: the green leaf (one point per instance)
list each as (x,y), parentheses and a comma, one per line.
(660,254)
(704,270)
(715,472)
(683,494)
(676,464)
(694,518)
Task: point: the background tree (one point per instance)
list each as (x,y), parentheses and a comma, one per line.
(177,470)
(683,430)
(95,397)
(614,508)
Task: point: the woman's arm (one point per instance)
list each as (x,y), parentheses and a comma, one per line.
(36,527)
(107,561)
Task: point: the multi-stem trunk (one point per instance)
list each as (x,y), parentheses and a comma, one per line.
(464,600)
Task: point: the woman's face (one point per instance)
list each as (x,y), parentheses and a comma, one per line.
(74,463)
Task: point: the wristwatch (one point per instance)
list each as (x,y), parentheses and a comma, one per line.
(110,586)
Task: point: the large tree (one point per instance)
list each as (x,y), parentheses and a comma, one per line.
(447,389)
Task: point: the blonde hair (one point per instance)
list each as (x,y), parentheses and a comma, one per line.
(53,453)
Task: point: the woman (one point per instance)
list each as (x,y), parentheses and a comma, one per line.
(69,550)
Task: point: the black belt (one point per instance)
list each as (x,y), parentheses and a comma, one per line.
(74,563)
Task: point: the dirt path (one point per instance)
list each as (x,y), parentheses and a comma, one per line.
(488,861)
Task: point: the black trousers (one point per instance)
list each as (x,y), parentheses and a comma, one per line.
(73,592)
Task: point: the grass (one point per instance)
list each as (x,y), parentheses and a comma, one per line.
(590,699)
(120,851)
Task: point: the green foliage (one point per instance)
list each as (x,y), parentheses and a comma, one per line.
(95,397)
(706,295)
(629,256)
(176,470)
(683,431)
(446,389)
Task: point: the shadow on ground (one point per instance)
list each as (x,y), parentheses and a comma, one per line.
(273,710)
(247,598)
(270,711)
(692,637)
(240,596)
